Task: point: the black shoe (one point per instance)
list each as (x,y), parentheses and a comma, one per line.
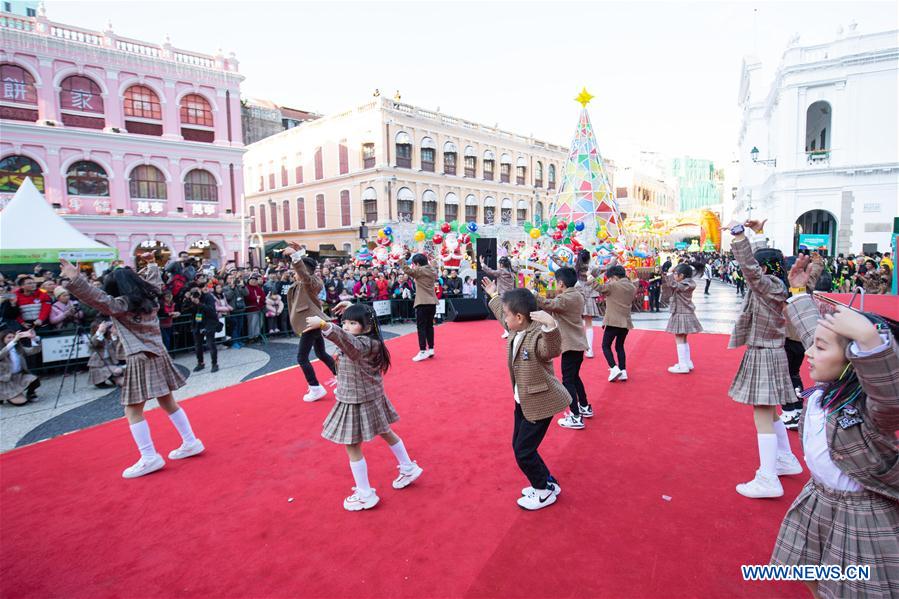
(215,368)
(199,367)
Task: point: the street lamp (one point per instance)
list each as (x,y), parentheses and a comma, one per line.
(755,157)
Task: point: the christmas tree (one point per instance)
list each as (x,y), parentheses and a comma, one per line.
(585,194)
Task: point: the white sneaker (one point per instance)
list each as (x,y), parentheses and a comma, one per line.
(788,464)
(556,489)
(422,355)
(187,450)
(315,393)
(144,466)
(571,421)
(505,335)
(537,500)
(679,369)
(614,373)
(431,353)
(407,476)
(357,501)
(761,487)
(623,375)
(690,365)
(586,411)
(588,353)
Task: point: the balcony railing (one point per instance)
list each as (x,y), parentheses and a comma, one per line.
(817,156)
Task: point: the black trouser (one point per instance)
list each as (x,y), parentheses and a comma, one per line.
(795,353)
(616,334)
(207,336)
(741,286)
(424,321)
(526,439)
(654,299)
(708,283)
(571,379)
(313,340)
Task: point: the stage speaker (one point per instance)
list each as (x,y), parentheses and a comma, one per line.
(462,309)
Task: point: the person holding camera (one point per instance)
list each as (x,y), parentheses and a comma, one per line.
(205,325)
(17,385)
(102,365)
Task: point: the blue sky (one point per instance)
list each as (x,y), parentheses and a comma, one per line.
(665,74)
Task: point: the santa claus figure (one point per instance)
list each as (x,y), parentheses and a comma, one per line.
(451,253)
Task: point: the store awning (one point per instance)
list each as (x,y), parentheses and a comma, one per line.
(274,245)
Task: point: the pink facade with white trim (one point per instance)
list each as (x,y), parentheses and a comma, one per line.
(134,142)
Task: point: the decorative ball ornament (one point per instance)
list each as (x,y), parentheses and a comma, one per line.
(579,226)
(419,236)
(562,225)
(535,233)
(382,234)
(557,235)
(465,238)
(437,238)
(446,228)
(388,231)
(472,227)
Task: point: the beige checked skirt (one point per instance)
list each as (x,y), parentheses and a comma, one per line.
(148,376)
(349,423)
(684,324)
(590,294)
(763,378)
(98,375)
(827,527)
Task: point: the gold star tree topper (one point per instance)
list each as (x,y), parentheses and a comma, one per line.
(584,97)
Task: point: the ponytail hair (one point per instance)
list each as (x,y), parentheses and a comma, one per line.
(365,315)
(142,297)
(684,269)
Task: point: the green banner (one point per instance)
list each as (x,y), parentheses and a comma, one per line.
(36,256)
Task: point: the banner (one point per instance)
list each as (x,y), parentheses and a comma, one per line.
(813,242)
(441,307)
(221,334)
(38,256)
(59,349)
(381,307)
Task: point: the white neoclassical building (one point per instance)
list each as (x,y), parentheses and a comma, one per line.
(818,144)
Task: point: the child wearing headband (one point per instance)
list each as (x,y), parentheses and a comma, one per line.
(362,410)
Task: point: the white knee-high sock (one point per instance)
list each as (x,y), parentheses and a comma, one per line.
(682,354)
(402,456)
(589,333)
(687,353)
(360,475)
(141,433)
(783,441)
(179,419)
(768,454)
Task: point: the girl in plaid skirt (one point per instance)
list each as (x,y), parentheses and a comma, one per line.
(362,410)
(848,512)
(132,302)
(683,319)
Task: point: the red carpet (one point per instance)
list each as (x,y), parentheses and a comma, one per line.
(885,305)
(220,525)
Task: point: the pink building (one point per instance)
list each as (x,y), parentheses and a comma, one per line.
(137,145)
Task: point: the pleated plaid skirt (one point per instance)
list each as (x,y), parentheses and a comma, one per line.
(827,527)
(684,324)
(98,375)
(148,376)
(349,423)
(763,378)
(590,294)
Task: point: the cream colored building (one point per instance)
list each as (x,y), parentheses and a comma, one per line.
(388,163)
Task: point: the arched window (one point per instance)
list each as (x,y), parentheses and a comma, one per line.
(14,169)
(403,150)
(505,168)
(428,154)
(368,155)
(285,214)
(86,178)
(471,208)
(200,186)
(489,210)
(370,204)
(538,175)
(195,110)
(489,165)
(263,224)
(142,102)
(449,158)
(521,214)
(471,162)
(451,207)
(405,205)
(538,213)
(18,88)
(506,212)
(429,206)
(343,158)
(252,219)
(147,183)
(818,131)
(80,94)
(521,168)
(551,177)
(301,213)
(284,182)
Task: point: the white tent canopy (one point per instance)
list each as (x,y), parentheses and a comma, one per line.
(31,232)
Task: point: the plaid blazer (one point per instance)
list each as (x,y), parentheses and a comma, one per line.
(814,273)
(425,278)
(505,279)
(762,323)
(137,331)
(302,297)
(531,369)
(681,294)
(358,378)
(867,451)
(619,299)
(567,308)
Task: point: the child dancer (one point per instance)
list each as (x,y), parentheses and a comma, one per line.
(848,511)
(763,380)
(505,280)
(102,365)
(538,393)
(362,410)
(568,307)
(303,301)
(132,301)
(425,304)
(683,319)
(619,292)
(585,276)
